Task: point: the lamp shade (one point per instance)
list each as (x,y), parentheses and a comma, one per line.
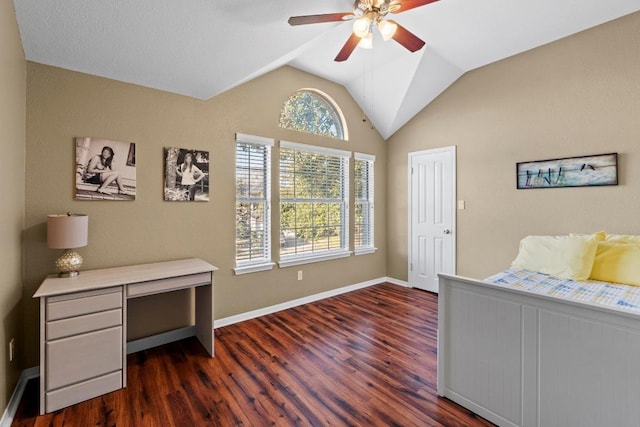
(67,231)
(387,29)
(366,42)
(362,26)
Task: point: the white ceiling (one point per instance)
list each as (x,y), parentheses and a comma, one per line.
(202,48)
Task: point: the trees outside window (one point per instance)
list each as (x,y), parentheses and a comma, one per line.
(363,234)
(314,201)
(312,111)
(253,203)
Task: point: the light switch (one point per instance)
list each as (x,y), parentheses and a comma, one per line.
(461,205)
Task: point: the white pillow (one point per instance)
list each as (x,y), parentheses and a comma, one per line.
(569,257)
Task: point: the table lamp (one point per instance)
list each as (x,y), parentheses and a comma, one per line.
(68,231)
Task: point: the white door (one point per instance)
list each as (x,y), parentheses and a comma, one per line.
(432,216)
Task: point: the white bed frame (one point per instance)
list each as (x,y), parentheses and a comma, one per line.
(523,359)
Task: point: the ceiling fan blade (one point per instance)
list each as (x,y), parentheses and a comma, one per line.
(348,48)
(407,39)
(411,4)
(315,19)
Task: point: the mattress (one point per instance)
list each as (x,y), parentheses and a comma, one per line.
(622,297)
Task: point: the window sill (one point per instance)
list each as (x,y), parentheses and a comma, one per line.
(253,268)
(289,262)
(364,251)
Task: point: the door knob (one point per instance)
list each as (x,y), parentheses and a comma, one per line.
(447,231)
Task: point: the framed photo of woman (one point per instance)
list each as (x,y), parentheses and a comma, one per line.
(186,175)
(105,169)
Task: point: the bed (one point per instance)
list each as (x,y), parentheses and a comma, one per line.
(527,348)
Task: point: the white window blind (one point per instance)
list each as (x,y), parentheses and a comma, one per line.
(364,203)
(314,203)
(253,203)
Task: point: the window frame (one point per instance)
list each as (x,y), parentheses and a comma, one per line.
(263,263)
(367,202)
(328,254)
(325,100)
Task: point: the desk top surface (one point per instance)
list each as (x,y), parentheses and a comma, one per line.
(118,276)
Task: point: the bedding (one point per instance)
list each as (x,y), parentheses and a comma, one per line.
(607,294)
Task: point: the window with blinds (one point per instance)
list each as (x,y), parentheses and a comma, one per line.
(253,203)
(314,203)
(363,216)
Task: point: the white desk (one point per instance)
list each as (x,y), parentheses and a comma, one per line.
(83,324)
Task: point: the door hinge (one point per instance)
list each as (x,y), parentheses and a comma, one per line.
(412,171)
(411,267)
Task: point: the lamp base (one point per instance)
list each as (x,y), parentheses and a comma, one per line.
(68,274)
(69,263)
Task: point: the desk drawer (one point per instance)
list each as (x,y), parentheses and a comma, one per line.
(83,303)
(83,391)
(166,285)
(74,359)
(83,324)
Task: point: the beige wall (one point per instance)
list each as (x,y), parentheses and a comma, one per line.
(12,145)
(577,96)
(63,104)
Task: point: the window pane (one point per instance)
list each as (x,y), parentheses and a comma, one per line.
(242,171)
(251,233)
(313,202)
(309,111)
(253,244)
(363,209)
(358,225)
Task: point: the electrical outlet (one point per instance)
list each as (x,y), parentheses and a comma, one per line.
(12,347)
(299,274)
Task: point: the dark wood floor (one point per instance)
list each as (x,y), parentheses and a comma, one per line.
(366,358)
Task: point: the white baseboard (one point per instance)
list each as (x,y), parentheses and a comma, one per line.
(226,321)
(16,396)
(397,282)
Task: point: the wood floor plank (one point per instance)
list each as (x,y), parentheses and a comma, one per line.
(365,358)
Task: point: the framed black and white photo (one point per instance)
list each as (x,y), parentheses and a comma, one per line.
(105,169)
(186,175)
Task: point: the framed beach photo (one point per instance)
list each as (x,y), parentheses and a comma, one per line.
(583,171)
(186,175)
(105,169)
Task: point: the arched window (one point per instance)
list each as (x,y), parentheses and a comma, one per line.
(309,110)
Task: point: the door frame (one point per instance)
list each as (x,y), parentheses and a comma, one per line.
(454,225)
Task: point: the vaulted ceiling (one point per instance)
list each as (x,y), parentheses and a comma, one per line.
(201,48)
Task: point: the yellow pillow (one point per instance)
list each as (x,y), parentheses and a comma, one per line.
(617,262)
(569,257)
(623,238)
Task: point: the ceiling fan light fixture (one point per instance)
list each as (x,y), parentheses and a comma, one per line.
(366,42)
(362,26)
(367,14)
(387,29)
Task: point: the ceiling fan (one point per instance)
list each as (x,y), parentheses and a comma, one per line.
(368,14)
